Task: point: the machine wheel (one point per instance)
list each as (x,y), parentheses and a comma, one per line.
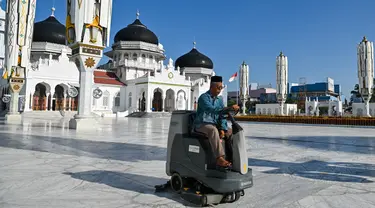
(204,201)
(237,196)
(177,183)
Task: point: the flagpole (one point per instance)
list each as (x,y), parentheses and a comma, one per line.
(238,91)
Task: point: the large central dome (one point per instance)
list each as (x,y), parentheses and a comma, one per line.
(136,32)
(194,59)
(49,30)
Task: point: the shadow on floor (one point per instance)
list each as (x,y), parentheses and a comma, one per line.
(351,144)
(79,147)
(320,170)
(129,182)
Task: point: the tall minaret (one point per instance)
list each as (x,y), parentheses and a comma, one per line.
(20,15)
(88,25)
(244,85)
(281,80)
(365,54)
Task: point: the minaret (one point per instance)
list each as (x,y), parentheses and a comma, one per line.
(365,55)
(281,80)
(20,24)
(87,28)
(244,85)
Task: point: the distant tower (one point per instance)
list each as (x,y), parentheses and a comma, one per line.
(281,80)
(365,54)
(244,85)
(2,36)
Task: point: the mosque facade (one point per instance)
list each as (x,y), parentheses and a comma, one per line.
(135,79)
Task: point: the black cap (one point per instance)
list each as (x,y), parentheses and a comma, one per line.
(216,79)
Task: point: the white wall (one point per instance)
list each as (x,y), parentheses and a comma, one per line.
(274,108)
(359,109)
(107,102)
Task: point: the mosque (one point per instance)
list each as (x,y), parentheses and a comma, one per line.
(135,78)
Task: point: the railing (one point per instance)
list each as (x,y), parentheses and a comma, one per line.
(349,121)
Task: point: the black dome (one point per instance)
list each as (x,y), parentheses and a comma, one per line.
(194,59)
(49,30)
(136,32)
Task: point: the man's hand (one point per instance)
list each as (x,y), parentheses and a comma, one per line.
(235,107)
(221,134)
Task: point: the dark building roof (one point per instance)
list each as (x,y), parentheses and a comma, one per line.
(136,32)
(49,30)
(194,59)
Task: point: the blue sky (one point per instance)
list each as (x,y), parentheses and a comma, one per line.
(319,37)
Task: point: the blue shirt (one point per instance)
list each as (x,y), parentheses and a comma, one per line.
(208,111)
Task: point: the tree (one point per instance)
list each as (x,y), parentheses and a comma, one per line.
(289,100)
(231,102)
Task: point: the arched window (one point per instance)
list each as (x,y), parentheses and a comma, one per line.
(106,99)
(117,100)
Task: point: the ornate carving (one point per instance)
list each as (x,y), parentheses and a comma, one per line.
(97,93)
(90,62)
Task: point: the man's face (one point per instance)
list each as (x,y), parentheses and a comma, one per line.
(216,88)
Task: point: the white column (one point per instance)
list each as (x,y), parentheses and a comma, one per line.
(70,104)
(87,38)
(281,80)
(64,102)
(365,54)
(51,101)
(85,94)
(17,55)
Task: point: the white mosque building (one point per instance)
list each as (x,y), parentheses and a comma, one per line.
(134,80)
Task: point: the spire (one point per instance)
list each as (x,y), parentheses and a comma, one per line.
(243,63)
(137,14)
(52,10)
(194,44)
(281,53)
(364,39)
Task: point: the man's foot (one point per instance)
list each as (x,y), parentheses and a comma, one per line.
(222,162)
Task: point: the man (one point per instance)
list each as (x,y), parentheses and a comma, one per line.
(209,122)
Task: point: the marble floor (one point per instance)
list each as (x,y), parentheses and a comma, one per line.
(44,164)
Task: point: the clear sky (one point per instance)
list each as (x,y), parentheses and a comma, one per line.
(319,37)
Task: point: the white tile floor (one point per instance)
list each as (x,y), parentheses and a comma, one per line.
(42,165)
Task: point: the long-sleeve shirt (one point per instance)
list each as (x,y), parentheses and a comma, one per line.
(208,111)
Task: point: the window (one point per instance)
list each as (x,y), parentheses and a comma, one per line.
(117,100)
(106,99)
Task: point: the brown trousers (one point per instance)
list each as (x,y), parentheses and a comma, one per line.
(213,136)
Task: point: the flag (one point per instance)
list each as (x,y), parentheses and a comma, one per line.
(5,73)
(233,77)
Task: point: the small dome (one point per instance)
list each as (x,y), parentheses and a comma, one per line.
(136,32)
(194,59)
(49,30)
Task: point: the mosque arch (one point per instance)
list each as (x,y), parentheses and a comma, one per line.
(170,99)
(181,100)
(157,101)
(40,97)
